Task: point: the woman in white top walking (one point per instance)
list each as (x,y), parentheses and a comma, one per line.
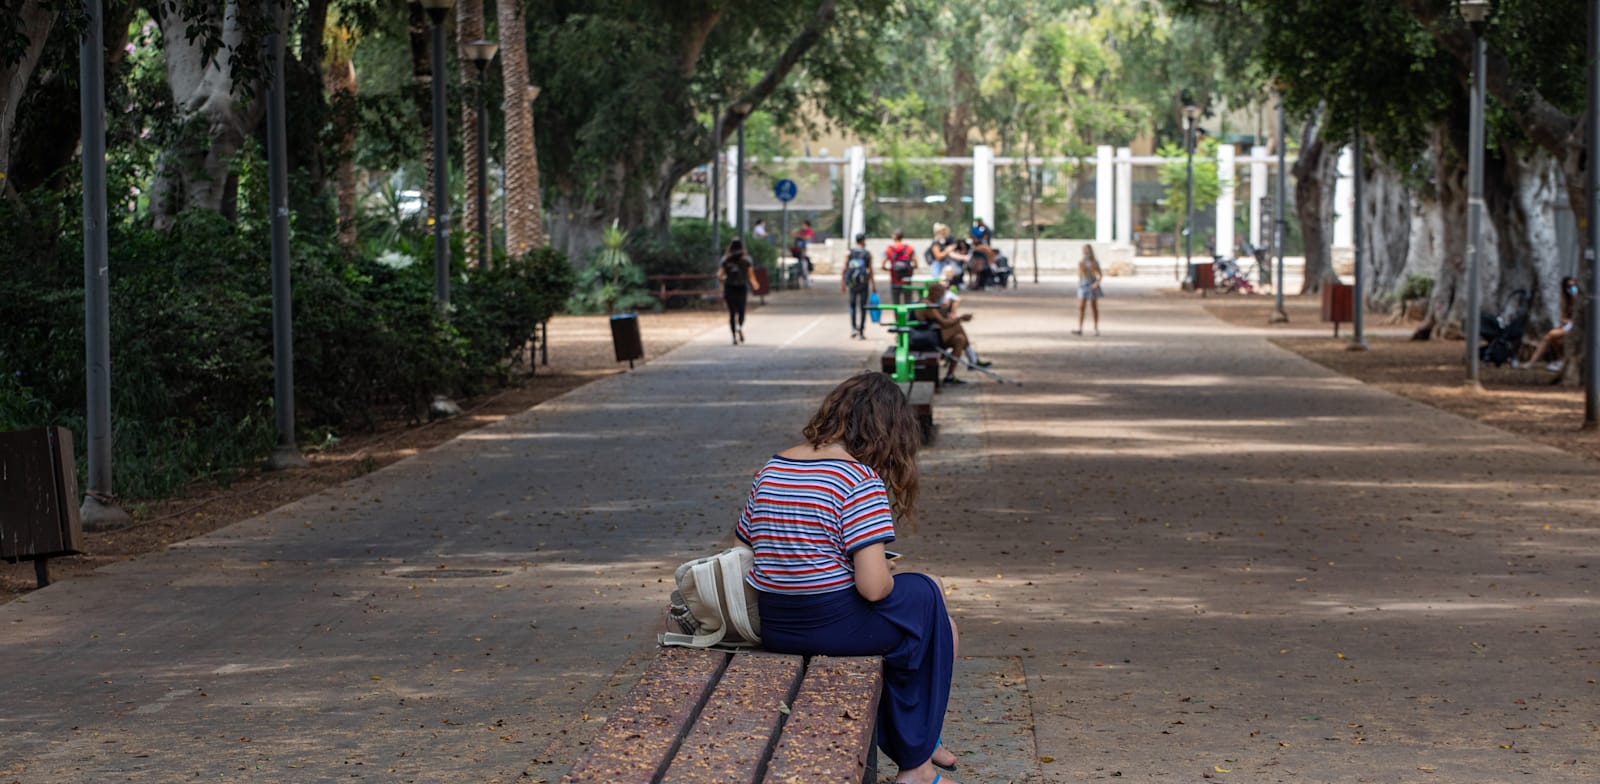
(1089,276)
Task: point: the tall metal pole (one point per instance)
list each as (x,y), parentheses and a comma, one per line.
(1279,219)
(1475,144)
(286,454)
(485,243)
(716,178)
(1591,366)
(738,205)
(98,511)
(441,170)
(1358,340)
(1188,220)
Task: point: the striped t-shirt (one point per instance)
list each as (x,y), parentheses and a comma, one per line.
(806,518)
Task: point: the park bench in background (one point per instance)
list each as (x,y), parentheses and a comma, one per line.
(665,287)
(711,717)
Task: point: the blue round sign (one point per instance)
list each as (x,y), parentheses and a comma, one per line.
(786,190)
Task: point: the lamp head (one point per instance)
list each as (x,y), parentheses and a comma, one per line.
(436,9)
(480,52)
(1191,112)
(1476,12)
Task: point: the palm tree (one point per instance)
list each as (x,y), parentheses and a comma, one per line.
(524,212)
(339,44)
(469,28)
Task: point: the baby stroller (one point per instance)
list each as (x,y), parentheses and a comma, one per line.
(1502,332)
(1001,270)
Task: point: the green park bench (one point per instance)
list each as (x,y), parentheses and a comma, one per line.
(700,716)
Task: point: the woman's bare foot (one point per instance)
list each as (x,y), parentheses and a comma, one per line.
(944,758)
(923,774)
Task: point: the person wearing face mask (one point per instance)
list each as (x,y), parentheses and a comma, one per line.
(1552,340)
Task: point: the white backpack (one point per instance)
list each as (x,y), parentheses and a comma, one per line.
(713,605)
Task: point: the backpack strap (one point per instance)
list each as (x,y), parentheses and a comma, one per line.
(738,611)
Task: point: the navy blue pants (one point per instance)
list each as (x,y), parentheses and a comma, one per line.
(909,629)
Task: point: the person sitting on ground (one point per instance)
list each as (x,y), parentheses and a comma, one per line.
(951,332)
(817,518)
(1553,339)
(958,263)
(981,235)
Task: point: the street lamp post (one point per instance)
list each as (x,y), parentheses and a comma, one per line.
(441,159)
(1279,219)
(99,511)
(286,454)
(1191,113)
(716,174)
(1476,12)
(481,52)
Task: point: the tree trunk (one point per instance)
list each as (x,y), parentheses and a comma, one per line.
(524,206)
(1315,173)
(216,121)
(343,85)
(956,131)
(1387,208)
(420,34)
(33,21)
(469,28)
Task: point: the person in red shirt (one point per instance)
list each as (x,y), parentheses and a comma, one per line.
(900,260)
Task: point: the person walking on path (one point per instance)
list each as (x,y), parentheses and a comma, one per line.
(900,260)
(1089,293)
(738,277)
(859,284)
(817,518)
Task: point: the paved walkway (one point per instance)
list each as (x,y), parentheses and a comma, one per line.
(1175,552)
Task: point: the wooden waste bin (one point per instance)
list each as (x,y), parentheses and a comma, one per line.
(38,497)
(1338,304)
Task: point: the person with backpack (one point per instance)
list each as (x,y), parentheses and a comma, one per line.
(801,249)
(900,260)
(738,277)
(858,282)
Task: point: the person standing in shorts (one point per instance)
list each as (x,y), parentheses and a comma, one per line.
(858,283)
(1089,276)
(738,277)
(900,260)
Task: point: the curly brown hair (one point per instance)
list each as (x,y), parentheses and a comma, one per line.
(870,417)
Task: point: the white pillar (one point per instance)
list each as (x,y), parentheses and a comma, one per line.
(1225,179)
(1258,191)
(983,187)
(855,193)
(1103,194)
(1344,202)
(1124,216)
(730,186)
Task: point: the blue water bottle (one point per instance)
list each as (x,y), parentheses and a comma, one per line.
(873,311)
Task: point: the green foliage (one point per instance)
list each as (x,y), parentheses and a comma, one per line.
(499,309)
(1074,225)
(1415,287)
(1175,176)
(612,281)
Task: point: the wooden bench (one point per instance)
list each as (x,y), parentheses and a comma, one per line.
(664,287)
(702,716)
(920,393)
(925,364)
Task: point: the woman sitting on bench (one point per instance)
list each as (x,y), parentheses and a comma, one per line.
(951,332)
(818,517)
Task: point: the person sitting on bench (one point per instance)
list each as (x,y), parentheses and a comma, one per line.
(817,518)
(954,336)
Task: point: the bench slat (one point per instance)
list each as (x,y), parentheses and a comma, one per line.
(640,736)
(829,734)
(732,739)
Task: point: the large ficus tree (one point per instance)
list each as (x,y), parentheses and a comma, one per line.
(628,88)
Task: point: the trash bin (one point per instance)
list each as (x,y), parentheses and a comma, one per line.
(763,279)
(1338,304)
(1205,276)
(625,337)
(38,498)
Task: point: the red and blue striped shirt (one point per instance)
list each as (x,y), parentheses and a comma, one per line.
(806,518)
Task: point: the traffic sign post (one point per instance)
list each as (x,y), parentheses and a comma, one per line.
(785,190)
